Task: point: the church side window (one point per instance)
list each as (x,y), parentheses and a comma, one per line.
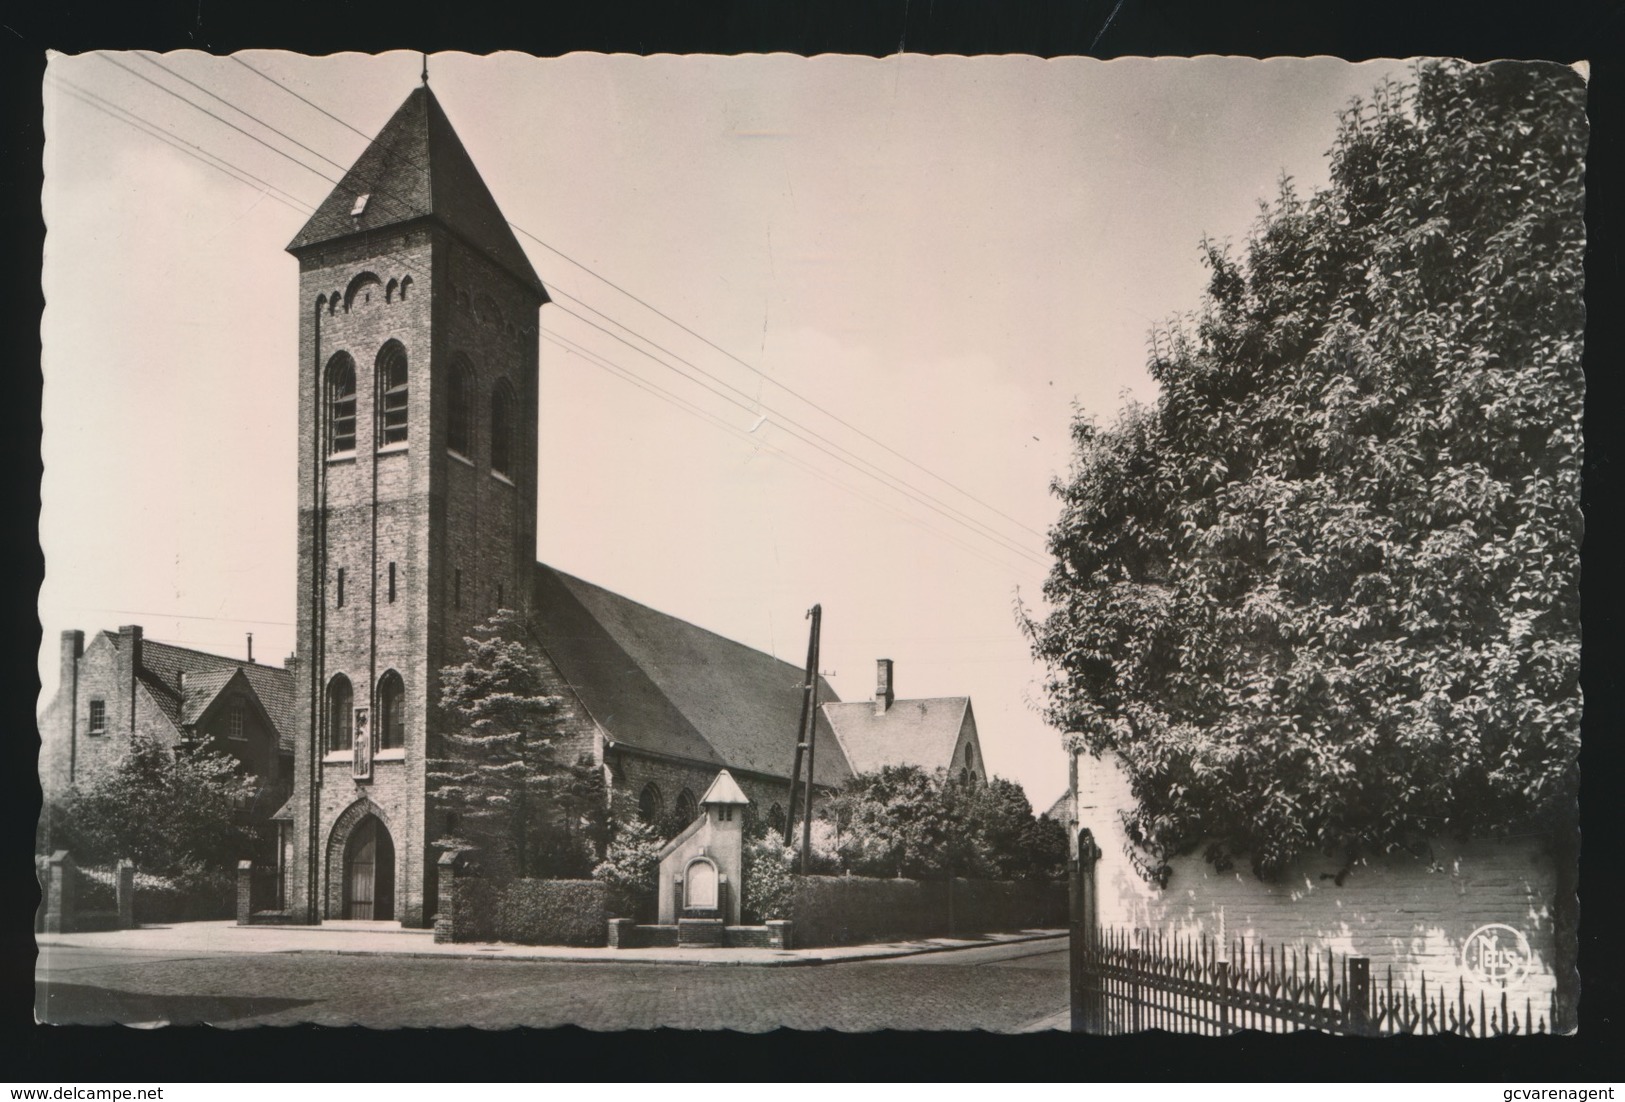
(234,722)
(459,411)
(340,714)
(687,808)
(502,431)
(340,405)
(392,395)
(650,805)
(391,712)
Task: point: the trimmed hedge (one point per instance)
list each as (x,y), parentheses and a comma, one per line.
(855,910)
(553,912)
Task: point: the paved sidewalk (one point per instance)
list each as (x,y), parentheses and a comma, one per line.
(389,939)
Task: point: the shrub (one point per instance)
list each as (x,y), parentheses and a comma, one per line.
(769,881)
(553,912)
(631,867)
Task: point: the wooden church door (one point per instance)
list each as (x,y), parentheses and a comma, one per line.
(369,872)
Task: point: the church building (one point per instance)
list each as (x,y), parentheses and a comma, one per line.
(418,451)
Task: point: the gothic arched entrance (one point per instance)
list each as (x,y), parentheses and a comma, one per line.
(369,871)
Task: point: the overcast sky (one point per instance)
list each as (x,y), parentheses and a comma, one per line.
(946,254)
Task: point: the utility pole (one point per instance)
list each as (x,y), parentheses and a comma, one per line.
(809,721)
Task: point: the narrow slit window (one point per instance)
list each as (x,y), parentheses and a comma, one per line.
(340,603)
(340,405)
(502,431)
(391,583)
(458,412)
(392,395)
(457,588)
(499,594)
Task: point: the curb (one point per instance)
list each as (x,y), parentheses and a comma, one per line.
(630,957)
(724,962)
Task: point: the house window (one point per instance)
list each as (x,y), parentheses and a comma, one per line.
(502,431)
(459,411)
(650,805)
(340,714)
(98,717)
(687,809)
(725,813)
(340,405)
(234,722)
(775,819)
(392,394)
(391,712)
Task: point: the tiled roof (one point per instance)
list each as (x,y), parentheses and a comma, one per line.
(660,684)
(417,168)
(910,732)
(206,676)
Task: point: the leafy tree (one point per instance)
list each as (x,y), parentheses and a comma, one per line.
(902,821)
(170,812)
(893,822)
(500,775)
(1322,596)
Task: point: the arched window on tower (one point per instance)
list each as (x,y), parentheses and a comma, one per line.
(392,394)
(650,805)
(502,430)
(459,410)
(688,809)
(391,712)
(340,404)
(340,714)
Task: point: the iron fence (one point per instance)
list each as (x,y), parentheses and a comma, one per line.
(1125,981)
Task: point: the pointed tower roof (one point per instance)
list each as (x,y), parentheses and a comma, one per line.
(416,168)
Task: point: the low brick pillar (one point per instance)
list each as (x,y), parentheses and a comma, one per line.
(59,892)
(620,932)
(699,933)
(781,933)
(124,890)
(245,892)
(455,918)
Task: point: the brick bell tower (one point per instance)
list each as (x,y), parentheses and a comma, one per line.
(417,498)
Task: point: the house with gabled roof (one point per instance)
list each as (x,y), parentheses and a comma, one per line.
(930,732)
(122,686)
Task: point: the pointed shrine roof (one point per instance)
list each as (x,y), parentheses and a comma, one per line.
(724,790)
(417,168)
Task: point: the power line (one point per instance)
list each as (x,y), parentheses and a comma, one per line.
(217,118)
(906,489)
(629,376)
(887,479)
(220,164)
(178,616)
(685,328)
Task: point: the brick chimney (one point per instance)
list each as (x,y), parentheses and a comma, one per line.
(73,648)
(129,667)
(884,693)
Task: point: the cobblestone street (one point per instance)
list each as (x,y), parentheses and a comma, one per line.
(999,988)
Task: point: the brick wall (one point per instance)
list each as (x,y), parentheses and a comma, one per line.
(855,910)
(1410,913)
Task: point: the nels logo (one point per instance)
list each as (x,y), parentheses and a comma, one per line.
(1496,954)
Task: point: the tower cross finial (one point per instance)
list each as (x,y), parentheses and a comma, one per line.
(425,66)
